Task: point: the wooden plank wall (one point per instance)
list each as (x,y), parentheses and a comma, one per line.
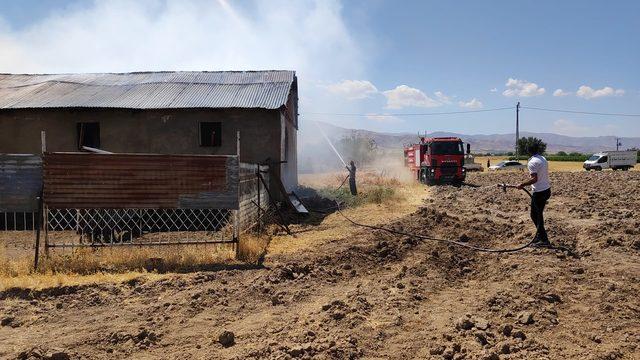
(20,182)
(149,181)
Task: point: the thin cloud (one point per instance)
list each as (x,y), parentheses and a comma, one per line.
(442,97)
(522,88)
(587,92)
(471,104)
(560,93)
(384,118)
(405,96)
(353,89)
(572,128)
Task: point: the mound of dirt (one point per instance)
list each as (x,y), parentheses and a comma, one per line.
(381,295)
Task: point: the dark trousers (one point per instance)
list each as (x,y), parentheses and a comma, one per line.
(538,202)
(352,185)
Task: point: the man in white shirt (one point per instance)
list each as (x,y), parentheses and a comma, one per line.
(541,186)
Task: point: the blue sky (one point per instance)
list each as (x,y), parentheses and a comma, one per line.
(367,57)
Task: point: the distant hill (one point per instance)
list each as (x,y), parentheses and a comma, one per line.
(494,143)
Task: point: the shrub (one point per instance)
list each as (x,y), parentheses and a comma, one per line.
(376,194)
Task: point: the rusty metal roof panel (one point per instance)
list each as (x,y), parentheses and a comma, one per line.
(148,90)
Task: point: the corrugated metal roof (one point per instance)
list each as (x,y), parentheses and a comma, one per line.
(148,90)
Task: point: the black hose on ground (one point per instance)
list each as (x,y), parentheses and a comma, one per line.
(447,241)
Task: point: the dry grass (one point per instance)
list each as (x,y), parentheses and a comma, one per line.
(82,266)
(122,259)
(372,188)
(407,197)
(253,248)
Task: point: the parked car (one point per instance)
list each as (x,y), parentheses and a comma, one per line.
(507,165)
(616,160)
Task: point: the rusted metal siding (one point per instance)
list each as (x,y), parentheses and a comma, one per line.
(109,181)
(20,182)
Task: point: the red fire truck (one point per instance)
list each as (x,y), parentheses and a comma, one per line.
(437,160)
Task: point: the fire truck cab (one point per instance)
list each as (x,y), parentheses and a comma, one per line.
(437,160)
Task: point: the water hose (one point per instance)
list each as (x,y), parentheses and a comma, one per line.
(448,241)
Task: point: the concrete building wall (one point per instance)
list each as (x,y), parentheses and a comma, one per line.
(166,131)
(289,169)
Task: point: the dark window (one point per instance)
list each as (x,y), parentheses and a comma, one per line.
(88,134)
(447,148)
(210,134)
(603,160)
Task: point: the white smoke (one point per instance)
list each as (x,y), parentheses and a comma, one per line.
(308,36)
(120,36)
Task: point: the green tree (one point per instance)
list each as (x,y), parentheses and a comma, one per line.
(561,153)
(531,145)
(360,149)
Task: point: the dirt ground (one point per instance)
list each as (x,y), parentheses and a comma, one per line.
(371,294)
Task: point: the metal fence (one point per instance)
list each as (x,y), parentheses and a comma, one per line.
(107,227)
(20,186)
(254,204)
(139,199)
(17,221)
(95,200)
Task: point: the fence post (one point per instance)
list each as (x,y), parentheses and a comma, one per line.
(45,227)
(236,215)
(37,226)
(42,212)
(258,184)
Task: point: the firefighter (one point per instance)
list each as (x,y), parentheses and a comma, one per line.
(352,178)
(541,186)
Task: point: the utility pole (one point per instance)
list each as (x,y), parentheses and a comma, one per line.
(517,130)
(618,144)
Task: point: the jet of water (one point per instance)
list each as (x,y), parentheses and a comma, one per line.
(330,144)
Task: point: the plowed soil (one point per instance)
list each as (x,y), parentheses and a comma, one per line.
(379,295)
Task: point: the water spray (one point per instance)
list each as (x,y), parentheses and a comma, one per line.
(330,144)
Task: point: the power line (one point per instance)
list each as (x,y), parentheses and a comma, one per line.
(579,112)
(408,114)
(470,112)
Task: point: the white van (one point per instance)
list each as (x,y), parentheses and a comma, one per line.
(616,160)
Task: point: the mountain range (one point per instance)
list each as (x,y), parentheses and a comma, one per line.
(494,143)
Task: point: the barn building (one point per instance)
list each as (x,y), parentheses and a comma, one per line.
(156,112)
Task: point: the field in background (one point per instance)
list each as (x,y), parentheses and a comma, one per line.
(553,165)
